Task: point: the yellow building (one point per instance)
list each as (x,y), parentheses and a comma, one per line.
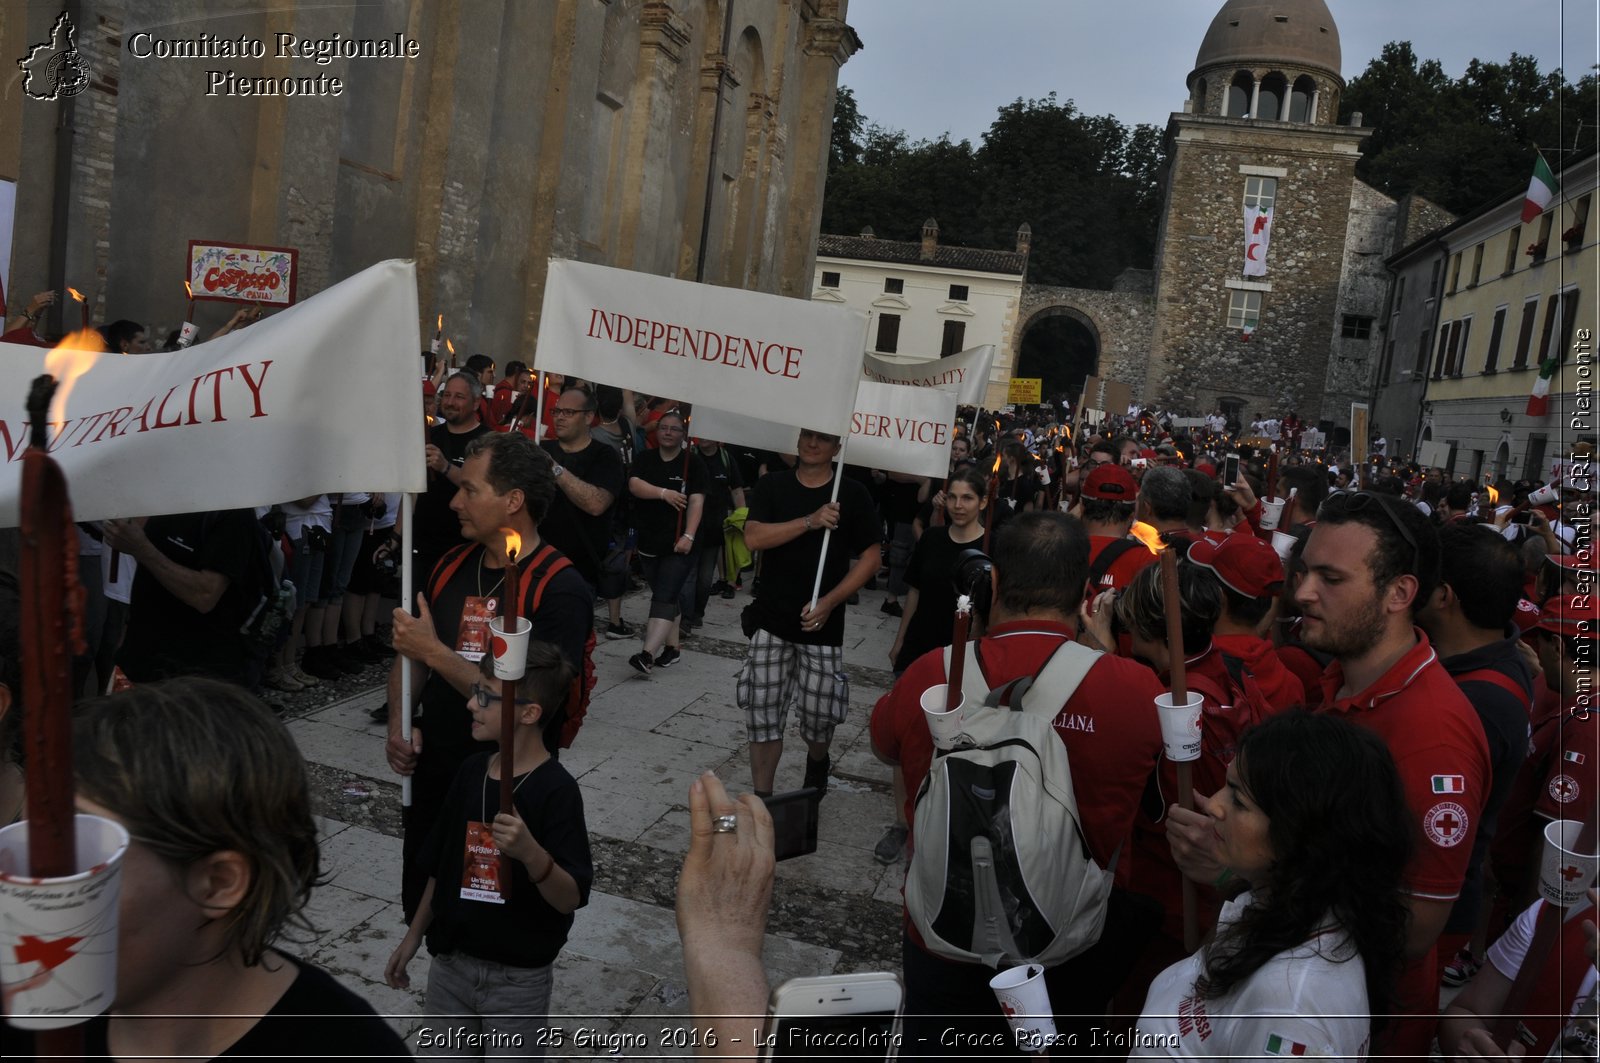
(1510,296)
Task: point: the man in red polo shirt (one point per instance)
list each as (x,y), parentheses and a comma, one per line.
(1109,496)
(1371,561)
(1113,740)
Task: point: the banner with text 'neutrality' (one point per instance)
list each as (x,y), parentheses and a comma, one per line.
(789,360)
(965,373)
(894,428)
(322,396)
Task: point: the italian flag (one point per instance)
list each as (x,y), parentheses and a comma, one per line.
(1541,190)
(1539,401)
(1573,755)
(1278,1045)
(1449,784)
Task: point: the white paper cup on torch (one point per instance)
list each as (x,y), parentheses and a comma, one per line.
(1564,873)
(1283,543)
(1272,512)
(1548,495)
(1025,999)
(945,726)
(510,649)
(187,334)
(1180,725)
(58,936)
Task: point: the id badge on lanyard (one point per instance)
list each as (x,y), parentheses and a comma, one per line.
(480,865)
(472,635)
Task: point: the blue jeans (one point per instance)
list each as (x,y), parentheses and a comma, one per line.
(477,1009)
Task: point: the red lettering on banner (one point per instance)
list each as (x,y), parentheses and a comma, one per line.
(160,409)
(216,392)
(255,385)
(14,446)
(239,280)
(194,386)
(113,421)
(769,357)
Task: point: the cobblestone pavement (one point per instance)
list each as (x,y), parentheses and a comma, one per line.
(620,977)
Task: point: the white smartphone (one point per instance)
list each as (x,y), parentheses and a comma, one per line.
(832,1016)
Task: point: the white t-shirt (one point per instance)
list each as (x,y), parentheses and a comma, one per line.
(1310,1000)
(1508,952)
(319,514)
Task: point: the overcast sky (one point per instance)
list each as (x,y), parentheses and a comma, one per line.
(946,66)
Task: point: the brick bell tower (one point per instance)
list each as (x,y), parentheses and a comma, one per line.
(1244,322)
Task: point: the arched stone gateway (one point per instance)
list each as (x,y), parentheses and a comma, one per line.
(1120,322)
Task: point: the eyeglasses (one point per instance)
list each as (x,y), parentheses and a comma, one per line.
(1360,500)
(568,411)
(485,697)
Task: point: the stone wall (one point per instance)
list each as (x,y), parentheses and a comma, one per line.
(1363,291)
(1196,359)
(574,128)
(1121,323)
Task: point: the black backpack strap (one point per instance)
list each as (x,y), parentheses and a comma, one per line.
(1108,557)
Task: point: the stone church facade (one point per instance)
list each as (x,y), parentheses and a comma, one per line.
(679,137)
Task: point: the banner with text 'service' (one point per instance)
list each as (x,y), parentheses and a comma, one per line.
(966,373)
(894,428)
(765,356)
(322,396)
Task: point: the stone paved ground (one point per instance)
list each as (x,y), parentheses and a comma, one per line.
(643,743)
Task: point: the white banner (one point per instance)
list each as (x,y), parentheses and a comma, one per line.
(1257,234)
(320,397)
(764,355)
(965,373)
(894,428)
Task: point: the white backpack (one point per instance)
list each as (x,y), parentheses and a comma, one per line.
(1001,873)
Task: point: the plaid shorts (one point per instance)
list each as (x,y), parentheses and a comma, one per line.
(775,672)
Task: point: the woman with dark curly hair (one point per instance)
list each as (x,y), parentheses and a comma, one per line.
(1313,822)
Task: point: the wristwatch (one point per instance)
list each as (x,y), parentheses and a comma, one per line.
(558,471)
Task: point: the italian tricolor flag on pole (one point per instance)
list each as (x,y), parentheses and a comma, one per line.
(1539,401)
(1541,190)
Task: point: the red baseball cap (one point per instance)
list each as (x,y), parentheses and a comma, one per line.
(1574,615)
(1110,483)
(1242,562)
(1582,561)
(1526,616)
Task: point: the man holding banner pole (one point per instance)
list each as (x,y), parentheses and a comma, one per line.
(796,633)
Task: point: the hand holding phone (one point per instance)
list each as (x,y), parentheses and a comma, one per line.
(811,1018)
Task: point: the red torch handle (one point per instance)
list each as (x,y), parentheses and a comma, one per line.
(958,661)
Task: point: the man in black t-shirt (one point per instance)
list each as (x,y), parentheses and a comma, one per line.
(588,480)
(191,593)
(434,527)
(507,481)
(797,649)
(724,494)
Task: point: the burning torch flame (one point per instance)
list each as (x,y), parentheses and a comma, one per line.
(996,470)
(77,296)
(450,347)
(73,358)
(513,543)
(1494,496)
(188,290)
(1148,536)
(439,325)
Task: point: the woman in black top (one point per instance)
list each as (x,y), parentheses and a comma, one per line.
(931,601)
(669,491)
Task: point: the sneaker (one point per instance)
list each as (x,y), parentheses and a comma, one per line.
(320,663)
(619,630)
(642,662)
(817,774)
(891,608)
(347,662)
(1459,971)
(890,846)
(379,714)
(278,679)
(668,657)
(375,648)
(308,681)
(727,591)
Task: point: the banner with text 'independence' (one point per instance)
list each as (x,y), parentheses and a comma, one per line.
(323,396)
(894,428)
(966,373)
(789,360)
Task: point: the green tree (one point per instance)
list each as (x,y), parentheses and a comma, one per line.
(1466,141)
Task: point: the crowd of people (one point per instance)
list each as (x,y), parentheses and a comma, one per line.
(1395,670)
